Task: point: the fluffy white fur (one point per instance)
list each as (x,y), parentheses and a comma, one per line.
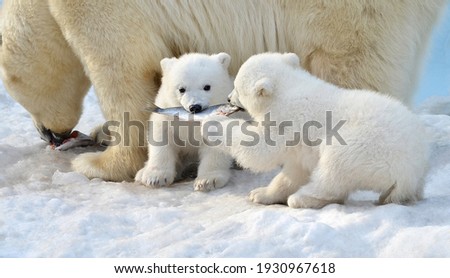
(385,151)
(53,50)
(193,79)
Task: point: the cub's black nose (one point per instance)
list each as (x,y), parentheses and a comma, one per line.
(196,108)
(229,99)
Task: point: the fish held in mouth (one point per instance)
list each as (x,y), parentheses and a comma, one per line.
(182,114)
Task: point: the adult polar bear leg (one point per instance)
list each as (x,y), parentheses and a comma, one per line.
(118,162)
(288,181)
(39,69)
(122,64)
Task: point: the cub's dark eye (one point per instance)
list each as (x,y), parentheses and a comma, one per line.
(182,90)
(207,88)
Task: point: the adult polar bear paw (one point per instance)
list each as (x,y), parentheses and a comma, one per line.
(110,165)
(90,164)
(211,181)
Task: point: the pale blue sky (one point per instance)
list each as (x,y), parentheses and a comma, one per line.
(435,80)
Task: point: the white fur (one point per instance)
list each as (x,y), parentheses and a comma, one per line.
(385,149)
(53,50)
(192,72)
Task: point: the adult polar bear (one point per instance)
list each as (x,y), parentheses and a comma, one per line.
(53,50)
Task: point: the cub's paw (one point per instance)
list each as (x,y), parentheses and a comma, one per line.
(211,181)
(155,177)
(262,195)
(302,201)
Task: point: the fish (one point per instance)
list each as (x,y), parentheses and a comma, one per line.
(179,112)
(76,139)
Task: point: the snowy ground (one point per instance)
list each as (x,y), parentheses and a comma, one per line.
(46,210)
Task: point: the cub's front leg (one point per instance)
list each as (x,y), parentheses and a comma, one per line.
(160,169)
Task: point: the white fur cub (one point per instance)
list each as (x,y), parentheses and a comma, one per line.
(381,144)
(194,81)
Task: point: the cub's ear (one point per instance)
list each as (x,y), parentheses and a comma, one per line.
(167,64)
(291,59)
(263,87)
(224,59)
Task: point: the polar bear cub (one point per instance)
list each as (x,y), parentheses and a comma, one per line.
(194,81)
(351,139)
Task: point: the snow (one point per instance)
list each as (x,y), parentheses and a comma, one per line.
(47,210)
